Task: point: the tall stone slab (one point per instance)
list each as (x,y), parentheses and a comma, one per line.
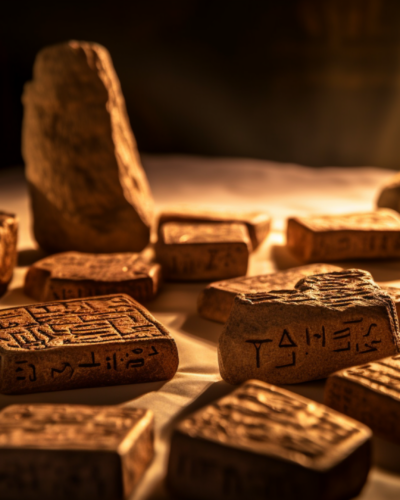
(88,189)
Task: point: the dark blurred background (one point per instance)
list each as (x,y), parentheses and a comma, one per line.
(310,81)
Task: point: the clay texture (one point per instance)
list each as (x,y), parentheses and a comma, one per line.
(8,248)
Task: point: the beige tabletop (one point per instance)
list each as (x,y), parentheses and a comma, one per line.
(280,189)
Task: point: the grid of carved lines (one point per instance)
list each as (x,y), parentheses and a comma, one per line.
(385,374)
(75,322)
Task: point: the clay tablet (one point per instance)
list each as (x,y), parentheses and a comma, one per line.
(70,344)
(374,235)
(73,274)
(328,322)
(216,300)
(200,252)
(369,393)
(8,248)
(53,452)
(262,442)
(257,223)
(88,189)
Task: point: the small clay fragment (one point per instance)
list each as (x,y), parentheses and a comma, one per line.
(92,342)
(263,442)
(216,300)
(389,197)
(73,274)
(201,252)
(257,223)
(327,323)
(88,190)
(62,452)
(369,393)
(374,235)
(8,249)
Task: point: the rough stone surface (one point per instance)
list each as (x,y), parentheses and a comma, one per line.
(369,393)
(389,197)
(265,442)
(8,248)
(257,223)
(202,251)
(74,274)
(328,322)
(90,342)
(216,300)
(88,190)
(73,451)
(326,238)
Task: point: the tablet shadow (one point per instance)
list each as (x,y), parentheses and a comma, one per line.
(203,328)
(29,256)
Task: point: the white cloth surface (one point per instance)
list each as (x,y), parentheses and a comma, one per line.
(240,184)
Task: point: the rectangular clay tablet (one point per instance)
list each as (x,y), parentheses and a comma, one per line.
(262,442)
(374,235)
(327,323)
(8,248)
(83,343)
(216,300)
(201,252)
(72,275)
(51,452)
(369,393)
(257,223)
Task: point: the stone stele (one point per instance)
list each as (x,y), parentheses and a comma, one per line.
(369,393)
(56,451)
(216,300)
(72,275)
(88,190)
(257,223)
(8,248)
(92,342)
(326,238)
(263,442)
(203,251)
(328,322)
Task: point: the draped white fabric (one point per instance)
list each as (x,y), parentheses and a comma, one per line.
(240,184)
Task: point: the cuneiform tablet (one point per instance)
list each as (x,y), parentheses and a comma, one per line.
(216,300)
(52,452)
(327,238)
(369,393)
(263,442)
(74,274)
(257,223)
(90,342)
(8,248)
(200,252)
(328,322)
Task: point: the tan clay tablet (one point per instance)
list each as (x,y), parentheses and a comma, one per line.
(66,452)
(265,443)
(257,223)
(216,300)
(369,393)
(201,252)
(94,342)
(88,189)
(374,235)
(72,275)
(8,248)
(327,323)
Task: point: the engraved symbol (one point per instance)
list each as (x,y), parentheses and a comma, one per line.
(108,359)
(257,345)
(154,351)
(293,363)
(93,364)
(32,375)
(137,362)
(59,372)
(286,340)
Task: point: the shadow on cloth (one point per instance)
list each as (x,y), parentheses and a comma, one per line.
(203,328)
